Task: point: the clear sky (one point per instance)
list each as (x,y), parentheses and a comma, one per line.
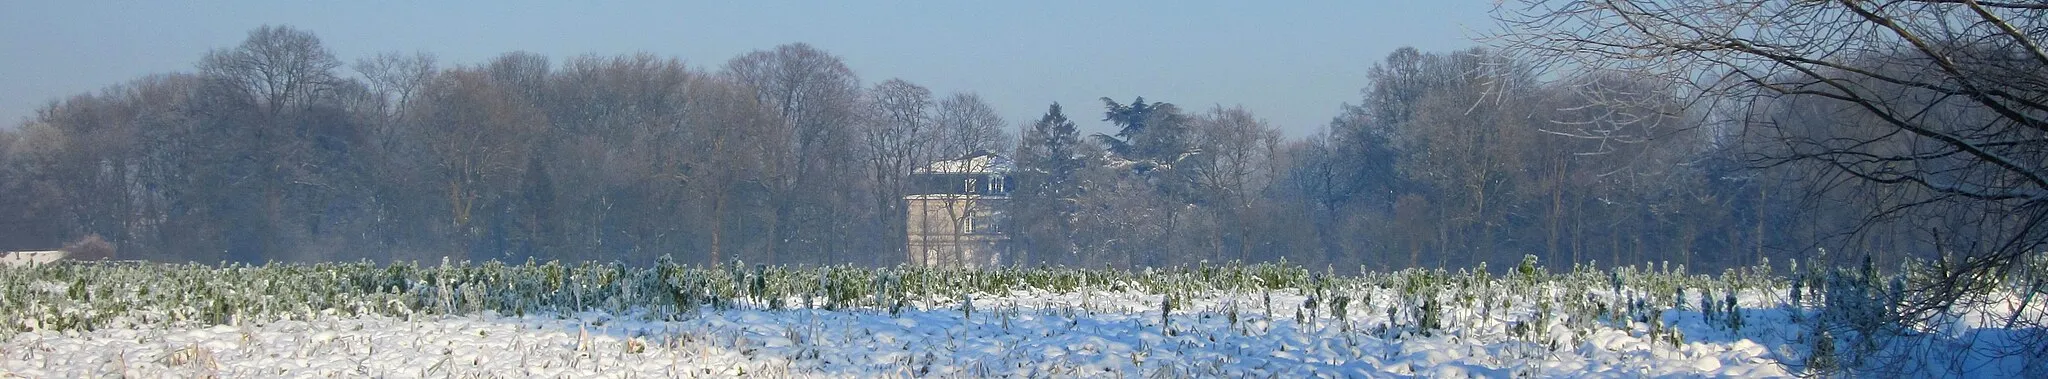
(1290,62)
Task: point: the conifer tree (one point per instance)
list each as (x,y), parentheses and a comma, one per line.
(1048,160)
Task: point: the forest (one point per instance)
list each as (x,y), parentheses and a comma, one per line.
(277,150)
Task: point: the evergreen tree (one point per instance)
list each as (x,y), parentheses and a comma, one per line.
(1155,133)
(1048,160)
(1052,146)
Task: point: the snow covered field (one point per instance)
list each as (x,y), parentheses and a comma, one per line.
(1413,323)
(1033,336)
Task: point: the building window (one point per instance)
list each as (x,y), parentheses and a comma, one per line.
(970,185)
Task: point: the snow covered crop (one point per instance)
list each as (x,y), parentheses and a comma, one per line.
(1267,320)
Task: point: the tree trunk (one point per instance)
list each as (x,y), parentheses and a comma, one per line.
(718,224)
(1557,212)
(1760,208)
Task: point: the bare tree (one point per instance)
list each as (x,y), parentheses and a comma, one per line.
(898,138)
(1955,93)
(725,113)
(967,124)
(37,205)
(1463,121)
(525,72)
(1237,158)
(281,66)
(619,127)
(478,135)
(814,95)
(265,89)
(397,77)
(1593,127)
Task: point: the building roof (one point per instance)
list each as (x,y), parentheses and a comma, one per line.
(955,196)
(30,258)
(979,162)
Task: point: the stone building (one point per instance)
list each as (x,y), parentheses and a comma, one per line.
(956,212)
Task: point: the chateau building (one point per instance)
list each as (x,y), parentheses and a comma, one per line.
(956,211)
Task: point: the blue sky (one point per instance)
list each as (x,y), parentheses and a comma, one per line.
(1291,62)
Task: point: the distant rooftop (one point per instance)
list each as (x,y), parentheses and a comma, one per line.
(30,258)
(979,162)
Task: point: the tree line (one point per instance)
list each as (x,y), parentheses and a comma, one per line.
(277,150)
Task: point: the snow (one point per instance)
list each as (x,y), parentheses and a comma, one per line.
(978,162)
(1033,334)
(954,196)
(1519,325)
(27,258)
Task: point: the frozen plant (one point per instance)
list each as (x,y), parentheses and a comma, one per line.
(1734,312)
(1165,314)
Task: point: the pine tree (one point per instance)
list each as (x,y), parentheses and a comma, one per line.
(1048,160)
(1052,147)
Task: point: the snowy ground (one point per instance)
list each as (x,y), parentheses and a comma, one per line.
(495,320)
(1094,334)
(26,258)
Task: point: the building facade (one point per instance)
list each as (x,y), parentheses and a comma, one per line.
(956,212)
